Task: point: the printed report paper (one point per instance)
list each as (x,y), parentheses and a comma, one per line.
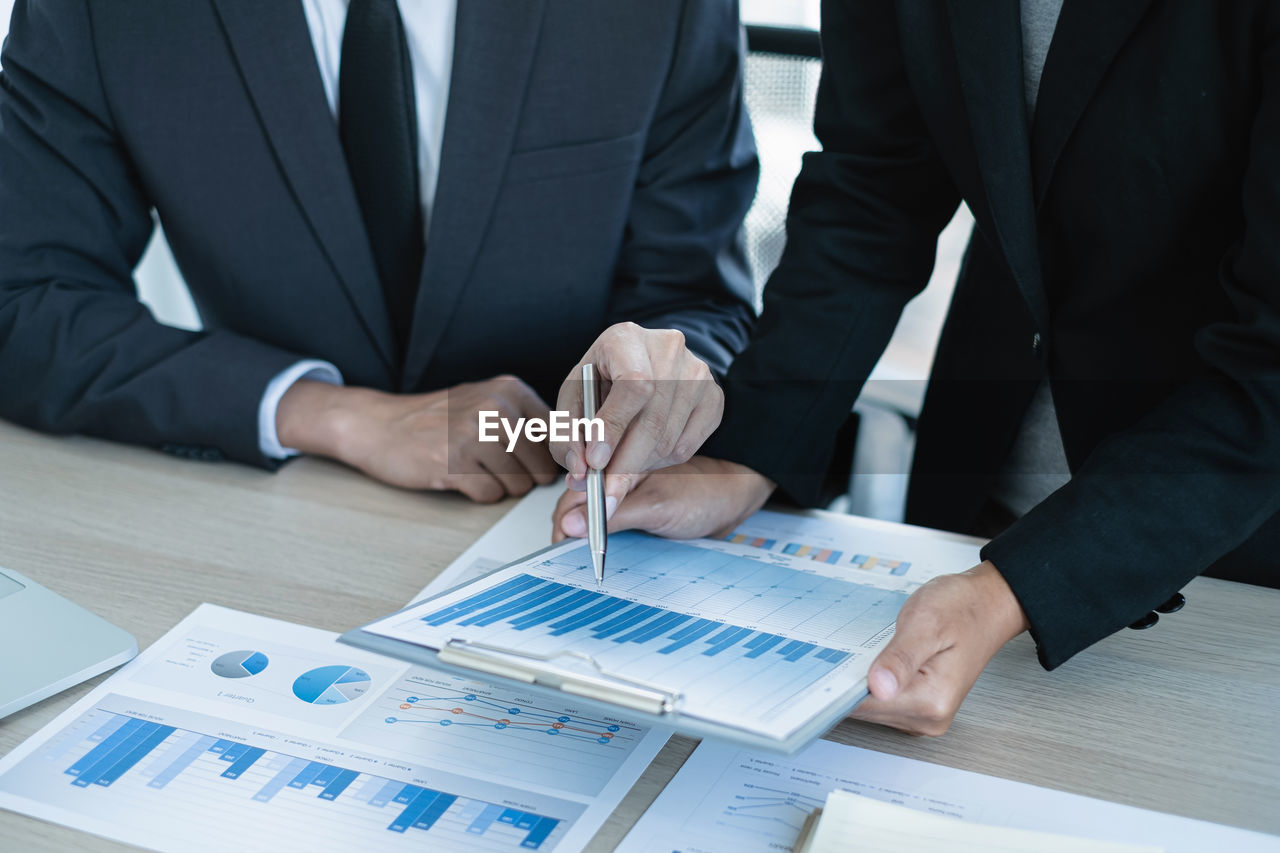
(240,732)
(731,800)
(750,638)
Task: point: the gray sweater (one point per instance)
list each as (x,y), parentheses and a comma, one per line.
(1037,464)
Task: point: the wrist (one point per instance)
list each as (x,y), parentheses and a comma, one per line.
(1005,611)
(321,419)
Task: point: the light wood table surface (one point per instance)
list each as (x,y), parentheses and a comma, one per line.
(1182,718)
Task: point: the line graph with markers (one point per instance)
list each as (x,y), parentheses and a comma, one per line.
(470,724)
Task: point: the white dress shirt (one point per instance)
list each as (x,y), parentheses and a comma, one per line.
(429,30)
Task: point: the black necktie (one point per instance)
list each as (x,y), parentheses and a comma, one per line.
(377,119)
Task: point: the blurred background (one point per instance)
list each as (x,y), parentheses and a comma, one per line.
(781,82)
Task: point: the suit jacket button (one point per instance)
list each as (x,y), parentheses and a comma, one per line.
(1035,344)
(1145,622)
(1173,605)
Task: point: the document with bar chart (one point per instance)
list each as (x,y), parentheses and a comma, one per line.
(240,732)
(766,651)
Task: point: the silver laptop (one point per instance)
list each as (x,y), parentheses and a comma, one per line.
(48,644)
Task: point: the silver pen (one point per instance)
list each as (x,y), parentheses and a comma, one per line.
(597,532)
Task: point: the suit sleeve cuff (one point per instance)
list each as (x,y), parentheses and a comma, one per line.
(268,439)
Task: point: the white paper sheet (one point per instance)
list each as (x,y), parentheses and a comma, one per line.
(866,547)
(728,800)
(758,641)
(853,822)
(239,732)
(897,550)
(524,529)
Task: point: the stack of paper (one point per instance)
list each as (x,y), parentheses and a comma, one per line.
(850,823)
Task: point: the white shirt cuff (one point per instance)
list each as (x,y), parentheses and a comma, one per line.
(268,439)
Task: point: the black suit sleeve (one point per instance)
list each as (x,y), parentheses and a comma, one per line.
(682,265)
(1156,504)
(78,352)
(862,232)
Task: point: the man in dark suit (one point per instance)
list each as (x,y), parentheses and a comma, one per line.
(1118,310)
(409,200)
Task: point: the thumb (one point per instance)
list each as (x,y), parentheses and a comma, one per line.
(897,666)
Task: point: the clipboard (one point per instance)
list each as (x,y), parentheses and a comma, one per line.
(577,674)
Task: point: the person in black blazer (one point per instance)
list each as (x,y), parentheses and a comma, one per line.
(1126,252)
(595,164)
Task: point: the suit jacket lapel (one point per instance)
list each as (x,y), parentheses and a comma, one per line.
(273,48)
(988,38)
(1088,36)
(494,45)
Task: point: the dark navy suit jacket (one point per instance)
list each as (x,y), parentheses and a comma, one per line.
(1125,251)
(597,163)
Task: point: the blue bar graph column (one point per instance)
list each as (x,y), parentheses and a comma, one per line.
(109,727)
(153,738)
(243,762)
(579,599)
(105,746)
(326,776)
(432,813)
(107,754)
(123,743)
(280,780)
(760,645)
(598,611)
(477,602)
(182,762)
(307,774)
(338,785)
(414,810)
(386,794)
(485,819)
(686,636)
(539,833)
(533,599)
(726,639)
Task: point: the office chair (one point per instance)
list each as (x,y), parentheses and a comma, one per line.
(782,72)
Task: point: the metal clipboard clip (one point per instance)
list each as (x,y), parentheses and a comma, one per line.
(603,686)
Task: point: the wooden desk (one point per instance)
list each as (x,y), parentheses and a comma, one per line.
(1183,718)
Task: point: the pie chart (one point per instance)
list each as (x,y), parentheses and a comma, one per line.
(331,685)
(241,664)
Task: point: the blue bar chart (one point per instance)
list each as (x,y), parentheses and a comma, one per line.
(718,629)
(112,762)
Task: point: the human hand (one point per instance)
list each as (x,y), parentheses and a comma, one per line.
(947,632)
(702,497)
(420,441)
(659,402)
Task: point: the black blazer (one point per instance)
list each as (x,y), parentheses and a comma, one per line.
(597,163)
(1127,248)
